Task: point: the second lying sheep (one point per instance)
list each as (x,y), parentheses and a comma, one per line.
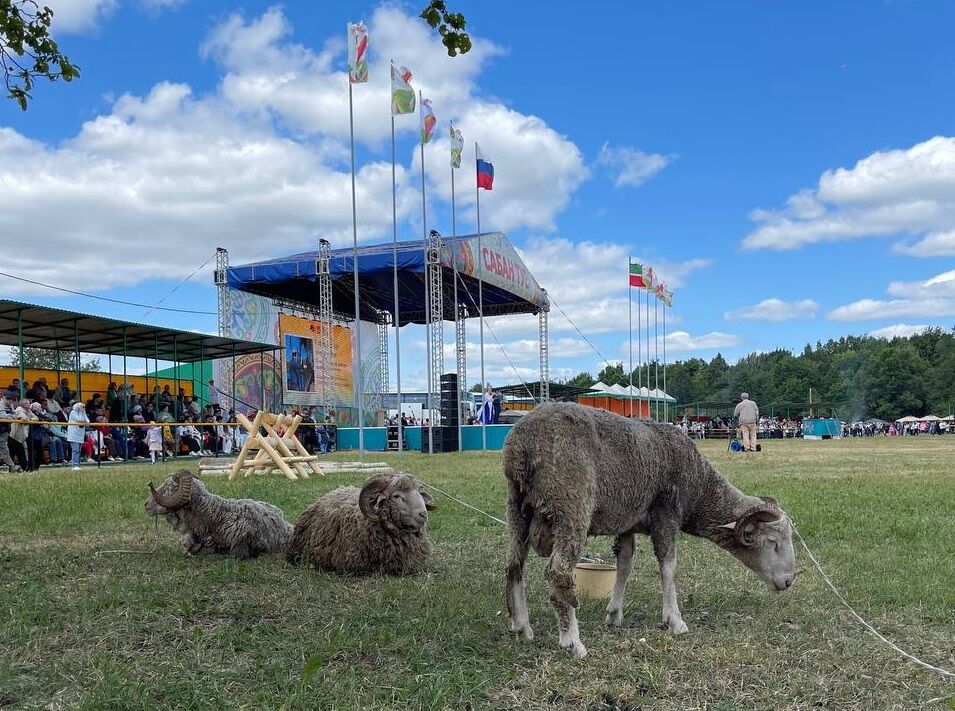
(381,527)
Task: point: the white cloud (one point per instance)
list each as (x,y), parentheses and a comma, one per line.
(774,310)
(909,192)
(632,167)
(681,341)
(900,329)
(933,297)
(77,16)
(935,244)
(174,173)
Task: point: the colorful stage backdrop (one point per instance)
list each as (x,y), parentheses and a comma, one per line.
(291,377)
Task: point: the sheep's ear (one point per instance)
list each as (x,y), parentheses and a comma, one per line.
(428,501)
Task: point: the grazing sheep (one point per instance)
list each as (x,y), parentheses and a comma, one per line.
(380,527)
(207,523)
(574,471)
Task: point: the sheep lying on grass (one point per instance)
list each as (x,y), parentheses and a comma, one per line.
(207,523)
(574,471)
(380,527)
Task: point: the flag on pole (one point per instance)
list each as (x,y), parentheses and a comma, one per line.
(428,120)
(402,95)
(649,279)
(667,297)
(485,170)
(636,276)
(357,53)
(457,147)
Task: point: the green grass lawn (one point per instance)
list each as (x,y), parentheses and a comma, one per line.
(84,628)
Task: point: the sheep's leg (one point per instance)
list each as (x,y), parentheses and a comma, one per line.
(664,546)
(568,544)
(518,527)
(625,550)
(241,550)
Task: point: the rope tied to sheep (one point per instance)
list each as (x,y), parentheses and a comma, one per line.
(866,625)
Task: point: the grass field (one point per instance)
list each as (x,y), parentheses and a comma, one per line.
(84,628)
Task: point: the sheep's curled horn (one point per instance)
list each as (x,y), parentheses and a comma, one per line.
(767,511)
(183,493)
(371,489)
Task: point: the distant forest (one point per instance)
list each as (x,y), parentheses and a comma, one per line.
(855,377)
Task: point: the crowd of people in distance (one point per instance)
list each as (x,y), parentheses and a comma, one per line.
(880,428)
(57,428)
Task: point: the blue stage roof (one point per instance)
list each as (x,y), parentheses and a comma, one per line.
(508,286)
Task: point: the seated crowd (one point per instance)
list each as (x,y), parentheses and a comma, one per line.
(56,428)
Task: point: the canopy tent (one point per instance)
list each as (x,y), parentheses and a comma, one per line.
(930,418)
(907,419)
(509,287)
(629,392)
(33,326)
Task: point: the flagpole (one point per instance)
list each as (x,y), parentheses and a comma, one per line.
(656,360)
(480,259)
(649,401)
(454,264)
(394,259)
(427,302)
(666,401)
(359,385)
(630,330)
(639,354)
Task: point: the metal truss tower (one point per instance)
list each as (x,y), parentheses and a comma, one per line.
(461,352)
(542,336)
(435,320)
(325,317)
(384,321)
(222,289)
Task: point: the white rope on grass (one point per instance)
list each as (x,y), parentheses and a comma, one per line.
(465,503)
(866,625)
(125,552)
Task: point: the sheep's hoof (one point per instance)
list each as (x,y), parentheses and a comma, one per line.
(676,626)
(576,649)
(614,618)
(524,630)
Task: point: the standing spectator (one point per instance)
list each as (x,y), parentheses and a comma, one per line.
(111,395)
(56,442)
(63,394)
(76,432)
(747,413)
(154,441)
(6,413)
(20,435)
(214,397)
(39,436)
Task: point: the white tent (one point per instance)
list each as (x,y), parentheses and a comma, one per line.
(930,418)
(907,419)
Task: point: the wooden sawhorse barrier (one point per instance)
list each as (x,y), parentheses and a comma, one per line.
(274,451)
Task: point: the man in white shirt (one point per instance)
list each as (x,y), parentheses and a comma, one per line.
(747,414)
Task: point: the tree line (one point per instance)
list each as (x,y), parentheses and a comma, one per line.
(855,377)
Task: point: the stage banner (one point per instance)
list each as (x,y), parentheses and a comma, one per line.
(292,376)
(300,366)
(503,266)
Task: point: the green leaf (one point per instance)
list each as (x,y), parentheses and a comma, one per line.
(312,665)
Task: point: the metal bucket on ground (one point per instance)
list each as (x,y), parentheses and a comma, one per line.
(594,580)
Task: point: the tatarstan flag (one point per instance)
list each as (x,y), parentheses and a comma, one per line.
(636,276)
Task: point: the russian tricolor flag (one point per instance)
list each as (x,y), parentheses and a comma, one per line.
(485,170)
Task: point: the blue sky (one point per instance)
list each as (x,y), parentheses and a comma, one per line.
(788,168)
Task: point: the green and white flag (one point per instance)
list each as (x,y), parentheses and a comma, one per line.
(402,95)
(457,147)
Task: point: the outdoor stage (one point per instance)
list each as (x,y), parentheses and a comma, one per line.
(306,305)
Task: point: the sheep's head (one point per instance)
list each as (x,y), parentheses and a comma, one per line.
(396,500)
(762,539)
(176,492)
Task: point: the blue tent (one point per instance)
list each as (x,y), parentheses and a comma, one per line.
(508,286)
